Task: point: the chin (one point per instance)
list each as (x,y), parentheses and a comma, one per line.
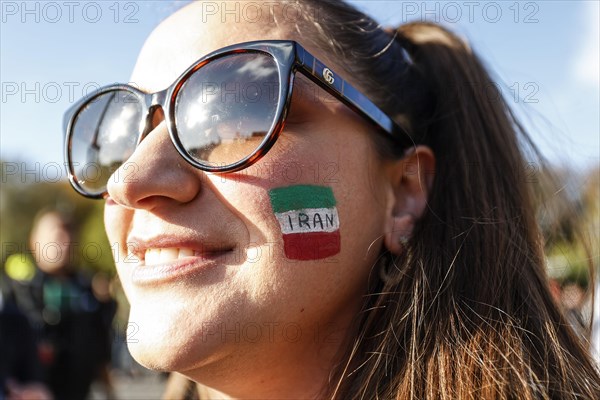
(165,339)
(160,357)
(167,353)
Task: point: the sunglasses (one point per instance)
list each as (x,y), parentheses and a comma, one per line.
(223,114)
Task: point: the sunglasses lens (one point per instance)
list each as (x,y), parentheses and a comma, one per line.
(225,109)
(103,136)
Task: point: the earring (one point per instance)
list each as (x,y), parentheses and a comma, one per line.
(404,240)
(399,233)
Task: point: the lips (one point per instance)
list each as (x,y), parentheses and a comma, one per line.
(165,248)
(165,258)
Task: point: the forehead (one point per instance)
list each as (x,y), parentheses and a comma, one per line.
(193,32)
(49,221)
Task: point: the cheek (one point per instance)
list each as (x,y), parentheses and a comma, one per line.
(324,193)
(317,210)
(287,200)
(117,222)
(245,196)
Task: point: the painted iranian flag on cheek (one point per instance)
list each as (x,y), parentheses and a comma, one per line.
(309,221)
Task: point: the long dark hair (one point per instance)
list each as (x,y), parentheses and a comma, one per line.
(466,311)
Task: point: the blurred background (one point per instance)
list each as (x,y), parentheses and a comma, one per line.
(544,56)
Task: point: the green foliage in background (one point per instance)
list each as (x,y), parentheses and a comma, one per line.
(20,201)
(568,212)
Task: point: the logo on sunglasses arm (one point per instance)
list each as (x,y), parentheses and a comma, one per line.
(328,75)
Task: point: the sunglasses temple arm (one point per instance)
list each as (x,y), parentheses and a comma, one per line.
(326,78)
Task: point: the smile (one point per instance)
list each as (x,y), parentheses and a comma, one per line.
(170,264)
(169,258)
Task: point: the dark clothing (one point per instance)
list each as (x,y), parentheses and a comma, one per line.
(18,351)
(73,330)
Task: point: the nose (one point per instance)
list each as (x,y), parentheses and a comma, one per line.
(155,175)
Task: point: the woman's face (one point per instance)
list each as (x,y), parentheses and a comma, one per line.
(244,299)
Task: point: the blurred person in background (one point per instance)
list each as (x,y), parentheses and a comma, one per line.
(20,370)
(70,312)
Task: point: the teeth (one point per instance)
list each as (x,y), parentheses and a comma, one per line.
(186,253)
(152,256)
(156,256)
(169,254)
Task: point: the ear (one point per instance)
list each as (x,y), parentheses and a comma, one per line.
(410,180)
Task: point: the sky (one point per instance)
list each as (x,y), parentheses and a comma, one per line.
(544,56)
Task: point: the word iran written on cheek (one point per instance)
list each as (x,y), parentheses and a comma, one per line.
(309,221)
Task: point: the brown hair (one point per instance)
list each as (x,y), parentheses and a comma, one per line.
(466,311)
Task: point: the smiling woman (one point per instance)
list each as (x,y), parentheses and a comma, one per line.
(415,270)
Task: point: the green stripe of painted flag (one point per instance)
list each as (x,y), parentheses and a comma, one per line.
(301,196)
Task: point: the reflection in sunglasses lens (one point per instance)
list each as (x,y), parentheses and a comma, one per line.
(104,135)
(225,109)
